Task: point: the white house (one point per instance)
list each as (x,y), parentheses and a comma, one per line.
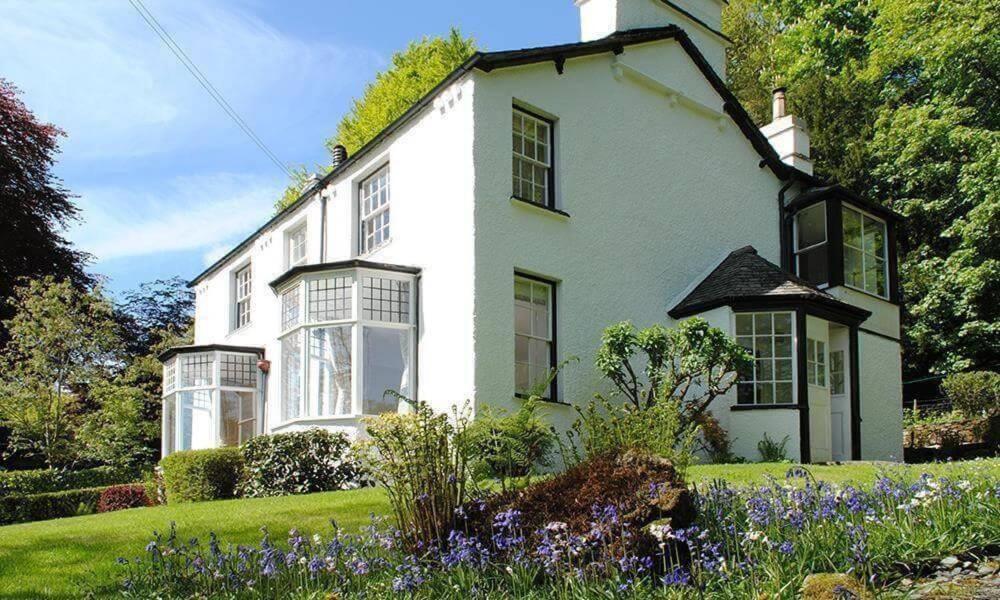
(528,201)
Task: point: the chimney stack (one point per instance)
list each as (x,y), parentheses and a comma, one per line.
(338,155)
(788,134)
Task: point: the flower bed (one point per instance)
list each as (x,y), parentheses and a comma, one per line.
(746,542)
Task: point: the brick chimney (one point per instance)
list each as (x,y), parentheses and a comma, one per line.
(788,134)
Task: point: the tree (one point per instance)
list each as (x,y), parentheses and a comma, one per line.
(35,206)
(901,97)
(692,363)
(61,340)
(412,74)
(146,314)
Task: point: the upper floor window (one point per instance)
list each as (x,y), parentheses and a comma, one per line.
(532,176)
(816,362)
(865,264)
(374,212)
(768,338)
(534,355)
(296,246)
(811,261)
(241,298)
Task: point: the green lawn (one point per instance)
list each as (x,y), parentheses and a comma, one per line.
(52,559)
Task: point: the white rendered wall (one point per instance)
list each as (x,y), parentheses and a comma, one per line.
(881,398)
(656,194)
(431,180)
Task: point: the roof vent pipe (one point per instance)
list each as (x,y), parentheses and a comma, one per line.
(778,109)
(338,156)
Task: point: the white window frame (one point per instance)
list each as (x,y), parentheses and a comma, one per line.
(369,216)
(549,339)
(817,362)
(794,335)
(242,295)
(821,206)
(358,322)
(297,245)
(865,255)
(173,380)
(547,164)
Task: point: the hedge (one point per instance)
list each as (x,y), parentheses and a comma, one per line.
(43,481)
(300,462)
(39,507)
(197,475)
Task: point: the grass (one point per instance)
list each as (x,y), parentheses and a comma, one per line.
(54,559)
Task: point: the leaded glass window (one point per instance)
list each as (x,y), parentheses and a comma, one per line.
(385,299)
(330,298)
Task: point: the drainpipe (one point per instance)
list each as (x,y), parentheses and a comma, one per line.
(322,226)
(786,262)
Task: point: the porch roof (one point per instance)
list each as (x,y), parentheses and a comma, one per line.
(745,278)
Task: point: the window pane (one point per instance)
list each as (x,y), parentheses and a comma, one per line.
(783,323)
(386,367)
(853,273)
(852,227)
(783,393)
(531,158)
(374,201)
(238,370)
(812,265)
(744,324)
(169,423)
(746,342)
(330,299)
(874,236)
(783,346)
(197,424)
(330,371)
(197,370)
(762,323)
(384,299)
(764,370)
(744,393)
(783,370)
(290,309)
(291,375)
(770,375)
(237,417)
(810,225)
(762,345)
(169,376)
(880,285)
(765,393)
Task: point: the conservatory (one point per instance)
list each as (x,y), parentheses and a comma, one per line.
(210,396)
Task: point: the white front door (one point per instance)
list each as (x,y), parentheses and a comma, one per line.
(839,407)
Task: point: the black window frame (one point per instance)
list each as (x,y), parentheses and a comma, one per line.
(550,200)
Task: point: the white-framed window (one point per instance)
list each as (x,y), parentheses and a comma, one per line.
(355,343)
(374,210)
(296,245)
(532,166)
(769,337)
(534,303)
(242,284)
(837,372)
(816,362)
(865,259)
(811,261)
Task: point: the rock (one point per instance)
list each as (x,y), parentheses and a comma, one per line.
(949,562)
(833,586)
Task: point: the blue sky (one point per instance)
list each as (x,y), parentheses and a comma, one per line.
(165,180)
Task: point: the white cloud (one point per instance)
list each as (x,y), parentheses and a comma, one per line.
(97,70)
(203,213)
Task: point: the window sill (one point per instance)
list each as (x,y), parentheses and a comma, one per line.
(545,400)
(867,293)
(742,407)
(547,210)
(315,420)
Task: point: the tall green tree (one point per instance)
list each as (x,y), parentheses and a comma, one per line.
(412,73)
(901,98)
(62,341)
(35,208)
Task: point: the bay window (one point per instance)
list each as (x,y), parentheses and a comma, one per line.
(769,338)
(209,397)
(347,343)
(865,259)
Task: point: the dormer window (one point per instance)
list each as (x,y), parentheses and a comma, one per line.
(296,246)
(811,260)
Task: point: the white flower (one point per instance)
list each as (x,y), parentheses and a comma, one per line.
(556,526)
(662,532)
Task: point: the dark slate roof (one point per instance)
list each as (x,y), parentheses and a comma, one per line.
(816,194)
(744,276)
(488,61)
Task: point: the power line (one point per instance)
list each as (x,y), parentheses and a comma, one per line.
(192,68)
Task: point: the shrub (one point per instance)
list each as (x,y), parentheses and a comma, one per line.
(198,475)
(39,507)
(422,460)
(772,451)
(510,446)
(974,394)
(299,463)
(42,481)
(120,497)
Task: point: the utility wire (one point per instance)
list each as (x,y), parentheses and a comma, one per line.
(192,68)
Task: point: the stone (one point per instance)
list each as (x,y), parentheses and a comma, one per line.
(833,586)
(949,562)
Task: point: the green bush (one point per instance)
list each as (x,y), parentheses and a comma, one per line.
(199,475)
(772,451)
(20,508)
(974,394)
(510,446)
(301,462)
(43,481)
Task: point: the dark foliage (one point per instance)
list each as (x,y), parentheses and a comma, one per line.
(154,308)
(35,205)
(121,497)
(42,481)
(55,505)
